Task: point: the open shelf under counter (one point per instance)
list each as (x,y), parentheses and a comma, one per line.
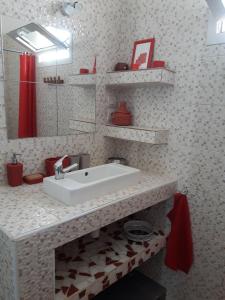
(141,78)
(87,266)
(84,80)
(155,136)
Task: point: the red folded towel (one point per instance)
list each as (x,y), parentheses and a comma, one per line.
(179,253)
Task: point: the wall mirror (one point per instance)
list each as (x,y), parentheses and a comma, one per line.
(40,60)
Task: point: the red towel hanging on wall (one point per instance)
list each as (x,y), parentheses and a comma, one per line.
(179,252)
(27,126)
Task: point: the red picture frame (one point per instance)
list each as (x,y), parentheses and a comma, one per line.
(143,52)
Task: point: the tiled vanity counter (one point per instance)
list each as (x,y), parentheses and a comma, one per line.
(33,225)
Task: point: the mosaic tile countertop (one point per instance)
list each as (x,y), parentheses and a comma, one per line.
(88,266)
(27,210)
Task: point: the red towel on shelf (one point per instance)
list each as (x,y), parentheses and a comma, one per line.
(179,253)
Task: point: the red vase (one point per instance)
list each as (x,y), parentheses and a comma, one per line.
(122,117)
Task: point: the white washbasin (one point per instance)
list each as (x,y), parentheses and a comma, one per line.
(80,186)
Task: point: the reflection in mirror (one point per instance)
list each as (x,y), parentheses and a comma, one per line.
(46,112)
(78,109)
(39,60)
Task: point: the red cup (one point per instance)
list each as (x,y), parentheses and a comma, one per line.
(50,162)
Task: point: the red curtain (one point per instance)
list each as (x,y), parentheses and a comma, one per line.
(27,99)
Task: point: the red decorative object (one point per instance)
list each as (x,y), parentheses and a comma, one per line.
(179,255)
(94,71)
(143,54)
(135,67)
(158,64)
(15,174)
(142,58)
(50,162)
(122,117)
(27,126)
(121,67)
(84,71)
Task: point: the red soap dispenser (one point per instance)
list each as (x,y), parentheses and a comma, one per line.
(15,172)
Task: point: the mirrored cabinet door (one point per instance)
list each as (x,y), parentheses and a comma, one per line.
(38,61)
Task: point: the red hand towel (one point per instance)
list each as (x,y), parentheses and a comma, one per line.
(179,253)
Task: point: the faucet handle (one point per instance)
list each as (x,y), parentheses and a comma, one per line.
(70,168)
(60,161)
(59,171)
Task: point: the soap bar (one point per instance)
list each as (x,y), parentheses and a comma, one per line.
(33,179)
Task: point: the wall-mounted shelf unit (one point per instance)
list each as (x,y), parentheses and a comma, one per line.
(141,78)
(87,266)
(82,125)
(88,80)
(153,136)
(56,84)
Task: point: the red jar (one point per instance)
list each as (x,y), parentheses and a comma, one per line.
(122,117)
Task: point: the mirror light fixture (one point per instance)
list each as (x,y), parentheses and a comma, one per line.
(36,38)
(216,23)
(217,7)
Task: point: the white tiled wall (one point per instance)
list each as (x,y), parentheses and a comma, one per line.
(193,110)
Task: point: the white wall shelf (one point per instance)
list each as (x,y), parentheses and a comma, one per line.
(55,84)
(86,80)
(88,126)
(141,78)
(153,136)
(86,267)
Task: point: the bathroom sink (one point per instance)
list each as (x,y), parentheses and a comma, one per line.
(80,186)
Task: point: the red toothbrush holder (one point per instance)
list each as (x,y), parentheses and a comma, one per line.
(50,162)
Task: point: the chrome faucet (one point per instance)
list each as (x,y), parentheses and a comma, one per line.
(59,171)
